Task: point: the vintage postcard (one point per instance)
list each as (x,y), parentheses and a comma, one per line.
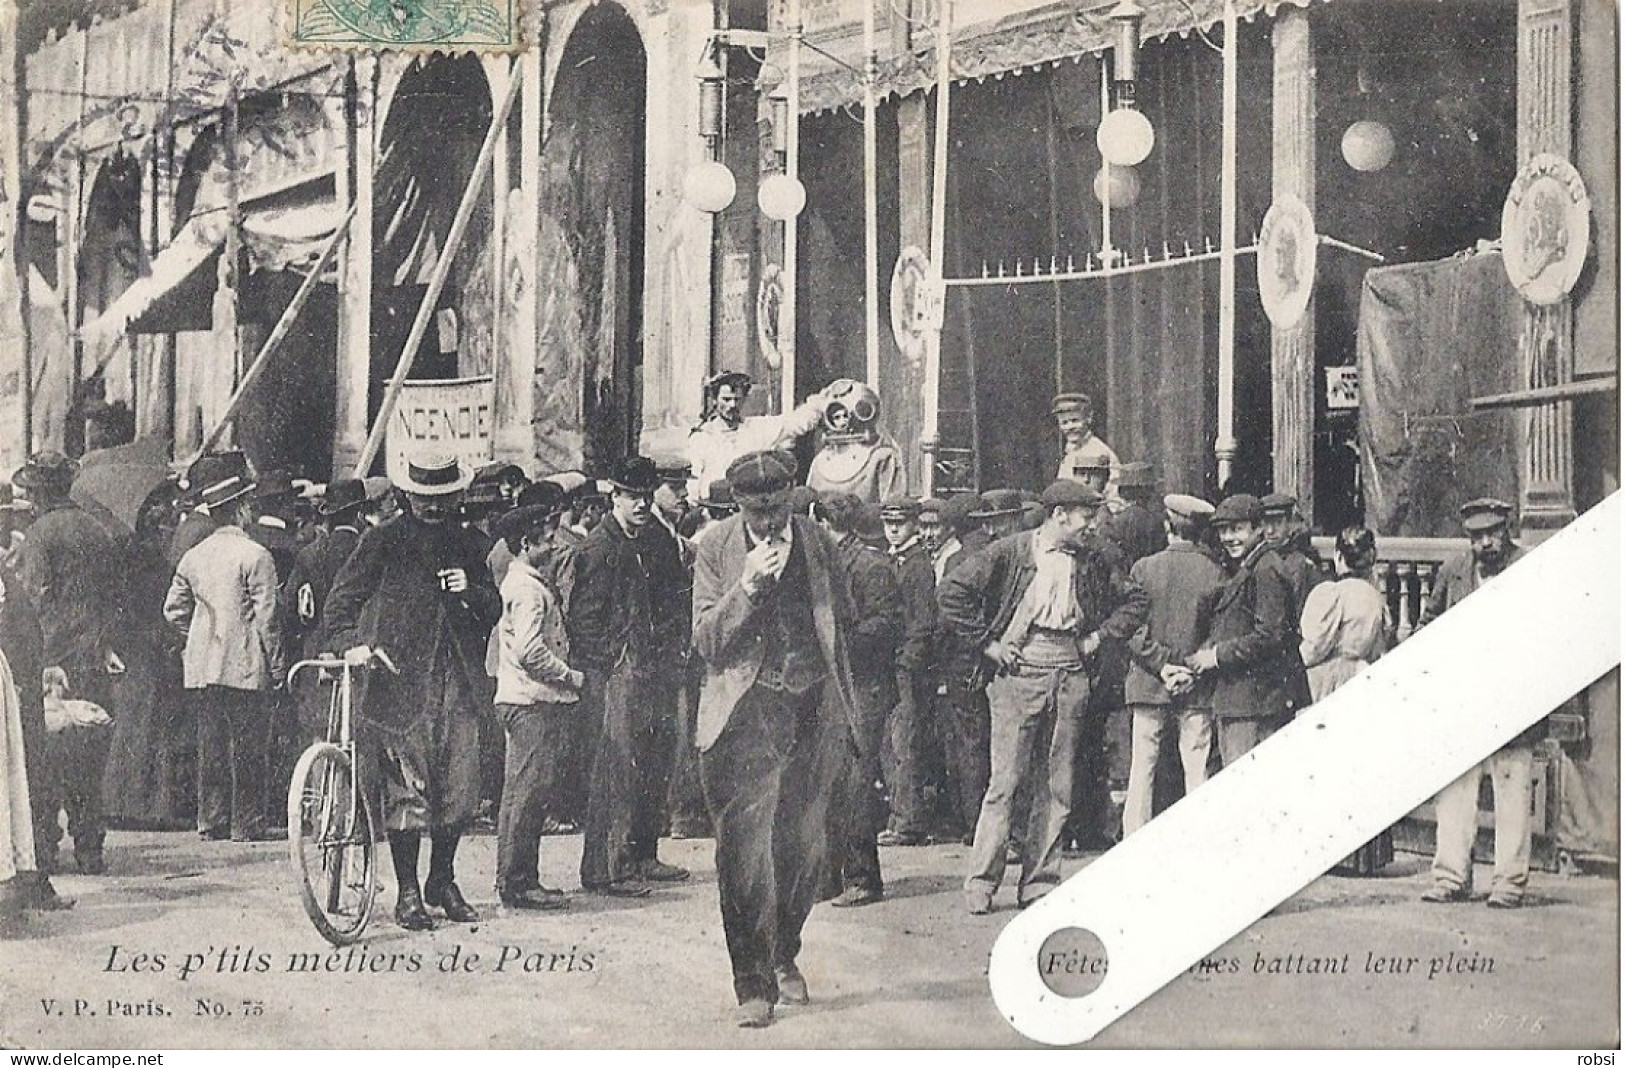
(687,524)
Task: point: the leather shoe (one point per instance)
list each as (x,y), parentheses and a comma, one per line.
(757,1012)
(657,872)
(1440,895)
(449,900)
(537,899)
(792,985)
(978,902)
(409,911)
(43,897)
(617,890)
(853,896)
(1504,901)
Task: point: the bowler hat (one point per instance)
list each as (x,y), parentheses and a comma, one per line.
(1485,513)
(758,473)
(900,507)
(719,497)
(1070,493)
(1238,508)
(996,503)
(1071,402)
(434,475)
(956,511)
(496,471)
(635,474)
(543,494)
(47,470)
(342,495)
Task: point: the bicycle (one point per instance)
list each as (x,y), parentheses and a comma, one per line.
(332,830)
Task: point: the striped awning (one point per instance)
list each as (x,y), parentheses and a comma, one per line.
(1043,35)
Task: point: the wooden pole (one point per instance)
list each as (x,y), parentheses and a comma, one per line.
(437,279)
(284,325)
(792,168)
(1224,448)
(871,204)
(935,291)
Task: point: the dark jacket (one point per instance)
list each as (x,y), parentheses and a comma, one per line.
(1302,568)
(916,588)
(72,573)
(1255,637)
(632,599)
(979,596)
(314,569)
(388,594)
(877,626)
(1183,584)
(192,529)
(1138,531)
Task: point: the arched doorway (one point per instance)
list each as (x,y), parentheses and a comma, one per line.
(592,189)
(109,260)
(431,139)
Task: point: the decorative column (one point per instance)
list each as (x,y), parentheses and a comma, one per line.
(1546,341)
(1292,351)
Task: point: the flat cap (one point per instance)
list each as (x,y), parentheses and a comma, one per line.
(673,469)
(995,503)
(1136,475)
(1485,513)
(1185,506)
(900,507)
(1279,504)
(933,506)
(1238,508)
(1071,402)
(544,494)
(1070,493)
(758,473)
(526,519)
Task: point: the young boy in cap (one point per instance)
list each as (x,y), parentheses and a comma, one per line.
(1487,523)
(536,698)
(1251,654)
(1080,448)
(1285,529)
(910,732)
(1183,584)
(1037,608)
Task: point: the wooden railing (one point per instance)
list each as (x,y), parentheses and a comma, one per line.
(1406,570)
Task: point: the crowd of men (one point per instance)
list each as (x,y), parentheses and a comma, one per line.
(703,646)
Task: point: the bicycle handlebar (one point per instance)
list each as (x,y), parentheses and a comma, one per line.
(379,658)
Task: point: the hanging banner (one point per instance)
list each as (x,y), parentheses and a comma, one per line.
(445,415)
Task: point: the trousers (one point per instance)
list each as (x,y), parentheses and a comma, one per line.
(535,750)
(1195,727)
(1511,772)
(1036,715)
(769,779)
(232,737)
(963,711)
(861,813)
(654,728)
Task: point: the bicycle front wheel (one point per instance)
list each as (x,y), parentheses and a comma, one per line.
(330,838)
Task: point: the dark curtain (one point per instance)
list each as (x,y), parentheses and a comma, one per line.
(592,185)
(1144,346)
(1433,336)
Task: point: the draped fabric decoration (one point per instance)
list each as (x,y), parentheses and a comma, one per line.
(1431,337)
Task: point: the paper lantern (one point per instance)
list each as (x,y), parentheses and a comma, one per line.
(710,187)
(1116,187)
(1125,137)
(1368,145)
(781,197)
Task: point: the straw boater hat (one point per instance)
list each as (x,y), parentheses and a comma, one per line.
(434,475)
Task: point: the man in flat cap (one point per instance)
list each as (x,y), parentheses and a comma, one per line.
(418,589)
(727,433)
(626,637)
(1183,584)
(1037,607)
(1080,447)
(1488,525)
(1250,656)
(909,732)
(71,572)
(778,715)
(1138,526)
(1285,529)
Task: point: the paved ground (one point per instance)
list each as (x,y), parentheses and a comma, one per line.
(910,971)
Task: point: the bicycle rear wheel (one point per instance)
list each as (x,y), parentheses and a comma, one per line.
(331,840)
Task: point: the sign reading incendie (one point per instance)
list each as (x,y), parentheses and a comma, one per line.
(445,415)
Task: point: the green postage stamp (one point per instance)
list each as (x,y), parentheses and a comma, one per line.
(444,25)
